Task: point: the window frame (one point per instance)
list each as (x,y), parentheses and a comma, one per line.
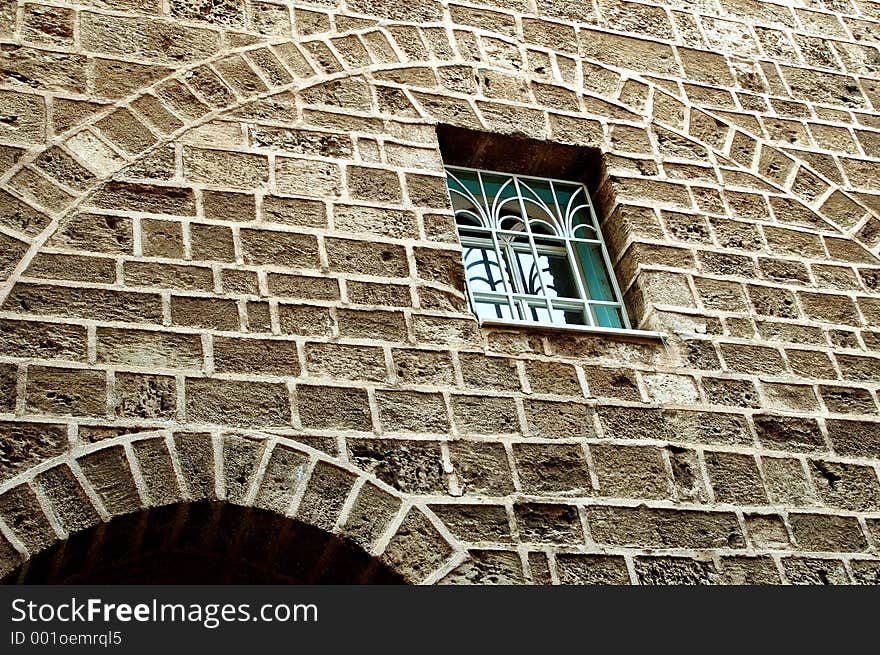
(517,301)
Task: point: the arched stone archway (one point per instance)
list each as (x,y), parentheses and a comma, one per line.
(121,508)
(203,543)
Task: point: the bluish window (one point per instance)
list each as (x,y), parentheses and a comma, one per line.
(533,251)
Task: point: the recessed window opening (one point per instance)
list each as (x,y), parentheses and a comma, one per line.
(533,250)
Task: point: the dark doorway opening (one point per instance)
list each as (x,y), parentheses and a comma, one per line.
(204,543)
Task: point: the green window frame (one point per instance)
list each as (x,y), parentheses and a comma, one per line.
(533,251)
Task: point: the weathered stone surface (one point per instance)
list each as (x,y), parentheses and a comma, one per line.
(855,438)
(216,313)
(866,572)
(559,419)
(392,223)
(748,571)
(552,378)
(786,481)
(294,211)
(591,569)
(69,502)
(53,266)
(633,423)
(485,567)
(475,523)
(484,415)
(662,528)
(803,571)
(10,558)
(363,257)
(497,373)
(305,177)
(423,366)
(417,549)
(735,478)
(407,411)
(8,386)
(275,357)
(109,473)
(25,444)
(305,320)
(411,466)
(284,472)
(846,486)
(279,248)
(822,532)
(238,404)
(149,349)
(241,457)
(707,428)
(21,512)
(552,469)
(419,11)
(326,408)
(481,467)
(166,40)
(66,392)
(13,252)
(378,325)
(196,456)
(126,132)
(157,471)
(145,396)
(328,488)
(370,515)
(675,571)
(767,531)
(630,472)
(233,217)
(95,304)
(789,433)
(545,523)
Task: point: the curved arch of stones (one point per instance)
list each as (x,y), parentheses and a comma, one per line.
(258,470)
(105,159)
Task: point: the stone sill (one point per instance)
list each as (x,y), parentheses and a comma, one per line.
(621,333)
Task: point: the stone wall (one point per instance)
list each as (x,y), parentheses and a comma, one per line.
(230,271)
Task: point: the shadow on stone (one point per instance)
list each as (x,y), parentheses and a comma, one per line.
(203,543)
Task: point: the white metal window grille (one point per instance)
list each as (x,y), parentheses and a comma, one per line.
(533,251)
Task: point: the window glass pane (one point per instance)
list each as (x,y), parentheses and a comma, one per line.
(493,309)
(559,278)
(581,224)
(557,315)
(528,273)
(502,202)
(501,195)
(607,316)
(466,201)
(513,223)
(466,181)
(573,316)
(553,269)
(541,208)
(484,271)
(541,314)
(593,264)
